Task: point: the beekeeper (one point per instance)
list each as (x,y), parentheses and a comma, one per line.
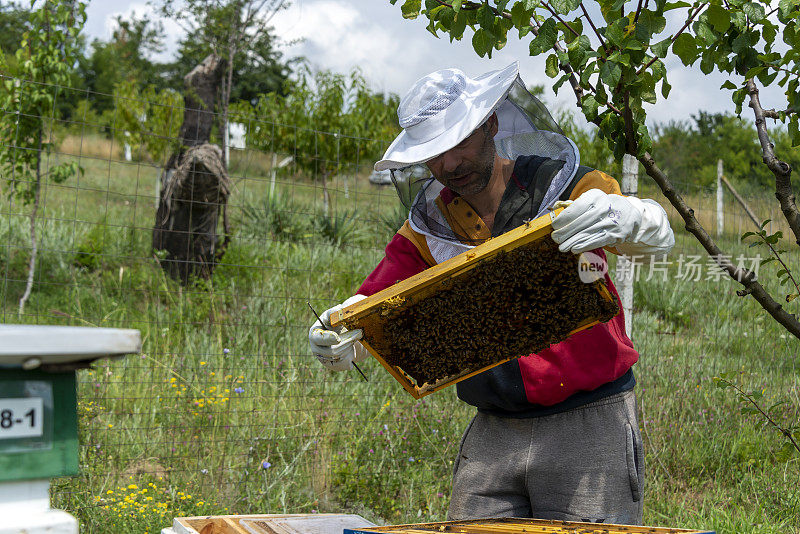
(556,433)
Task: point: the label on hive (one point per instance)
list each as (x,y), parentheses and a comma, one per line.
(26,416)
(21,418)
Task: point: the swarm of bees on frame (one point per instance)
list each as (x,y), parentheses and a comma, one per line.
(513,304)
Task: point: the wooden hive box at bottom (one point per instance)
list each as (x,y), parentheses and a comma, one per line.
(510,525)
(267,524)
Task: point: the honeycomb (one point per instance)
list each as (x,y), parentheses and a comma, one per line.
(516,303)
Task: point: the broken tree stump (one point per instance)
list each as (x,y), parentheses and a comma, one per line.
(192,197)
(194,184)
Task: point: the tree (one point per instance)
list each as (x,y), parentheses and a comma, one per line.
(327,121)
(13,23)
(149,119)
(256,72)
(229,29)
(194,184)
(614,62)
(30,90)
(689,150)
(124,59)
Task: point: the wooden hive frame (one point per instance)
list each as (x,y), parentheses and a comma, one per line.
(512,525)
(369,313)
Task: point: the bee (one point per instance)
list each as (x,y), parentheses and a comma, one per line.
(516,303)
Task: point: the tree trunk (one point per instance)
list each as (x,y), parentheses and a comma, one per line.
(34,246)
(195,184)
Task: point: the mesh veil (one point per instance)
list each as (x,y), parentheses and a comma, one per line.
(525,128)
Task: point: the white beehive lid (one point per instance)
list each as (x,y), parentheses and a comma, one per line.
(64,344)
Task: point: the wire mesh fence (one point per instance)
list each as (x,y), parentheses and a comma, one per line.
(225,410)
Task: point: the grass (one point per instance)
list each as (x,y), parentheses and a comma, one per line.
(225,411)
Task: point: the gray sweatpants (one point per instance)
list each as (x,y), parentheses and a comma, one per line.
(585,464)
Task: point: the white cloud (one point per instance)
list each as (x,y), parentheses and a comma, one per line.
(338,36)
(101,22)
(393,52)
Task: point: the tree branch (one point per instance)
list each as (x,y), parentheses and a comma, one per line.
(630,138)
(786,433)
(594,28)
(469,5)
(784,69)
(780,260)
(559,19)
(774,114)
(638,10)
(743,276)
(674,37)
(573,80)
(781,169)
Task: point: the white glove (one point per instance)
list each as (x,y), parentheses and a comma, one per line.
(597,219)
(336,349)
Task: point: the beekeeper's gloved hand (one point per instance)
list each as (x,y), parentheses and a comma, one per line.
(596,219)
(337,348)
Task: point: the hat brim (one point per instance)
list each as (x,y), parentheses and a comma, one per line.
(480,99)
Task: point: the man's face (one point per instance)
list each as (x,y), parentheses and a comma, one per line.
(467,167)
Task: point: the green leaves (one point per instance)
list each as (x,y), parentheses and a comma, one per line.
(60,173)
(621,60)
(300,118)
(551,66)
(548,34)
(564,7)
(615,33)
(148,118)
(669,6)
(411,9)
(649,24)
(485,16)
(704,32)
(610,73)
(521,16)
(482,42)
(661,48)
(458,26)
(785,7)
(752,403)
(784,274)
(589,106)
(719,18)
(569,32)
(754,11)
(685,47)
(788,450)
(45,58)
(577,52)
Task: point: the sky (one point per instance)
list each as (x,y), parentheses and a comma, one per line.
(393,52)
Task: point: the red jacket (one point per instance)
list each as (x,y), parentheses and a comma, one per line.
(589,365)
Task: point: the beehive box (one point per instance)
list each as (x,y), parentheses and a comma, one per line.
(267,524)
(520,526)
(514,295)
